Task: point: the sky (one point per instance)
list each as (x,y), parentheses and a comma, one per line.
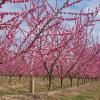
(84,5)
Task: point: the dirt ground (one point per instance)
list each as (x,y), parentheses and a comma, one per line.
(19,91)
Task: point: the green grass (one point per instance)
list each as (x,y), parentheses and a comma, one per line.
(90,91)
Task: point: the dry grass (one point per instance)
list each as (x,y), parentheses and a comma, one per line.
(20,90)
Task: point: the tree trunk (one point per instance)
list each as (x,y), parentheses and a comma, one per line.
(61,82)
(78,82)
(32,80)
(84,81)
(61,77)
(49,82)
(10,78)
(20,76)
(91,79)
(88,79)
(43,78)
(32,84)
(71,81)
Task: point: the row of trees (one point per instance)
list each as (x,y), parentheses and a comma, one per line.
(46,40)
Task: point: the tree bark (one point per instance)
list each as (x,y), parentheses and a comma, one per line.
(61,82)
(10,78)
(20,76)
(78,81)
(61,77)
(84,81)
(71,81)
(32,80)
(49,82)
(32,87)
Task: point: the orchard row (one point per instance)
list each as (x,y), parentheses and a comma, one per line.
(49,41)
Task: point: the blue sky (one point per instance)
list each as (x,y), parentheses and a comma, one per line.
(84,5)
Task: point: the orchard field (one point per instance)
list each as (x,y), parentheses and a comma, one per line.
(49,50)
